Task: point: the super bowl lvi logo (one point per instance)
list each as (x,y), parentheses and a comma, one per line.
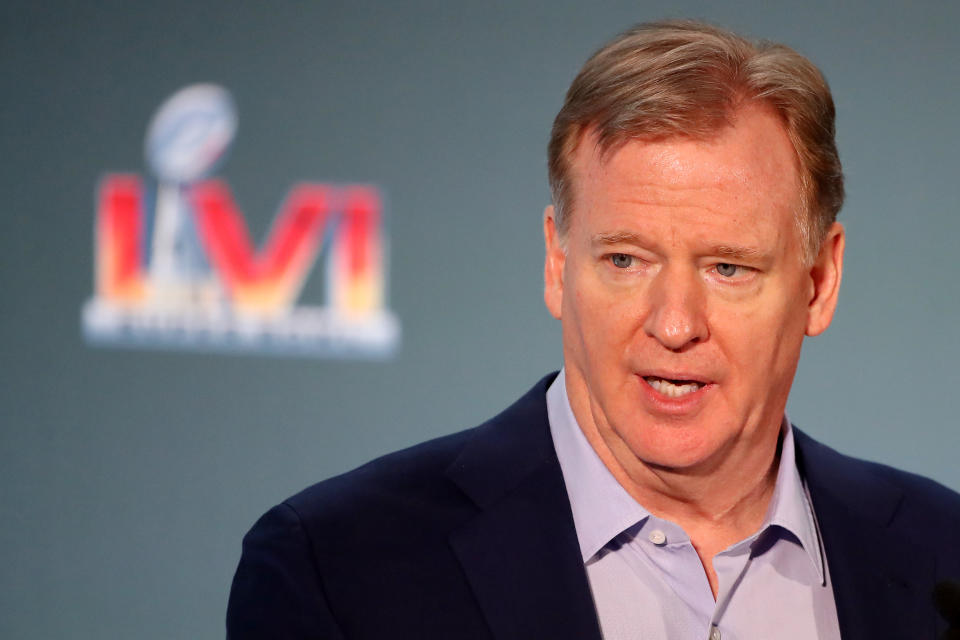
(175,265)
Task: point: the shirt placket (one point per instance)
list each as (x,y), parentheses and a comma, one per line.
(666,547)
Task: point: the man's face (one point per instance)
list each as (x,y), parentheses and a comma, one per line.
(683,293)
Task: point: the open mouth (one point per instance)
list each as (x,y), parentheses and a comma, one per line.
(673,388)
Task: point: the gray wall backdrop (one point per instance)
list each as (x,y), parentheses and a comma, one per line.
(127,478)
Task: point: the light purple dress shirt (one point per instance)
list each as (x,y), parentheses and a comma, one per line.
(647,580)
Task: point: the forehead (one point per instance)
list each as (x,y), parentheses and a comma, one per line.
(746,178)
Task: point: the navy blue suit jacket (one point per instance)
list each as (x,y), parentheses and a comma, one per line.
(471,536)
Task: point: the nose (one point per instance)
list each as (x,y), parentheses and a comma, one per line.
(676,316)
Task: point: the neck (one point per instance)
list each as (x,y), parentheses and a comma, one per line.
(719,501)
(730,494)
(716,507)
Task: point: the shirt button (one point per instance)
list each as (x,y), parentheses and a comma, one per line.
(714,633)
(658,537)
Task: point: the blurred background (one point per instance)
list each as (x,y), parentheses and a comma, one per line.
(128,477)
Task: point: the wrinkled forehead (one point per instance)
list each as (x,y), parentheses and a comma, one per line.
(750,163)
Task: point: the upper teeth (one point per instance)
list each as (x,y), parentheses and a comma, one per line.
(670,389)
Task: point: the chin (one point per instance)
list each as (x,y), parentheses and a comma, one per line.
(671,446)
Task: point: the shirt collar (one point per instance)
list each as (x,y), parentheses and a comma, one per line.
(602,508)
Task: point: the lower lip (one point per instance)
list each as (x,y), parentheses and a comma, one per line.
(681,405)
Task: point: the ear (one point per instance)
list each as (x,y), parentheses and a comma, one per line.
(553,264)
(825,275)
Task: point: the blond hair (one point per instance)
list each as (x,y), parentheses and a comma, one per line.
(686,79)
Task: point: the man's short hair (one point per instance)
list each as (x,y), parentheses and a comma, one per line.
(686,79)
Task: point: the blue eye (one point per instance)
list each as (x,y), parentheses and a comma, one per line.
(621,260)
(727,270)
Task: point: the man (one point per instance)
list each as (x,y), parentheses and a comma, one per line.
(654,488)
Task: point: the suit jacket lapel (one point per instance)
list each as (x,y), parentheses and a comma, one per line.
(520,553)
(881,580)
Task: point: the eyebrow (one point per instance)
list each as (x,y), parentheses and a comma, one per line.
(737,252)
(619,237)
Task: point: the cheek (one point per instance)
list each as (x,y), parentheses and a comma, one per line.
(582,302)
(600,325)
(762,343)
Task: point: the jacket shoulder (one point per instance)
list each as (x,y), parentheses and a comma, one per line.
(915,498)
(401,480)
(381,533)
(444,477)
